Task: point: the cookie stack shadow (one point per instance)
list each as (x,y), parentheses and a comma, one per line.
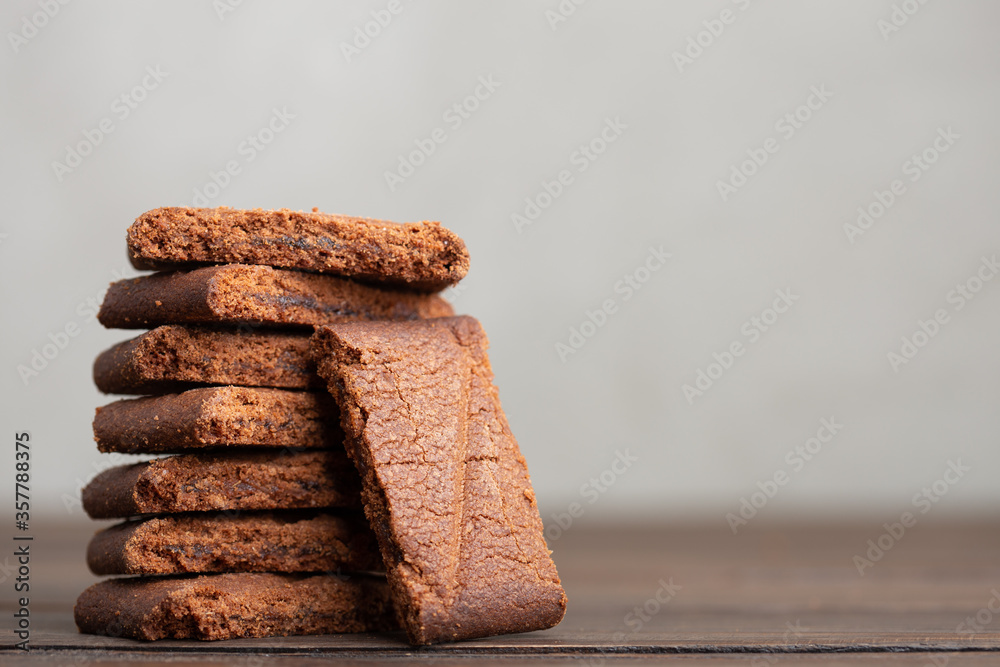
(247,520)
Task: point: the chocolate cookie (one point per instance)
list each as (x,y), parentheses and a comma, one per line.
(444,484)
(423,256)
(173,358)
(218,417)
(243,294)
(228,606)
(292,541)
(203,482)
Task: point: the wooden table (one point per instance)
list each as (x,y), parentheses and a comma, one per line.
(641,594)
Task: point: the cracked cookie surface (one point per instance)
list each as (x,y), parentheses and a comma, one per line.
(444,484)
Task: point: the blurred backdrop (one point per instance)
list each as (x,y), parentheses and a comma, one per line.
(734,257)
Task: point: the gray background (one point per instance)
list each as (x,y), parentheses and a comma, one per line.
(654,186)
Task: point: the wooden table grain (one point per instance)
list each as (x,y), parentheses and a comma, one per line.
(639,593)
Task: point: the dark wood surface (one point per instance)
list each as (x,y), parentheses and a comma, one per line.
(772,594)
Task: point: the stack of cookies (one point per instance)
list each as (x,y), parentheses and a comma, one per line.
(300,368)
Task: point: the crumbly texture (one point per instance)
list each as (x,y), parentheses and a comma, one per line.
(444,484)
(218,417)
(173,358)
(228,606)
(256,295)
(207,482)
(292,541)
(423,255)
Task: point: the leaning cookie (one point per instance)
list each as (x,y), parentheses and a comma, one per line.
(229,606)
(444,484)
